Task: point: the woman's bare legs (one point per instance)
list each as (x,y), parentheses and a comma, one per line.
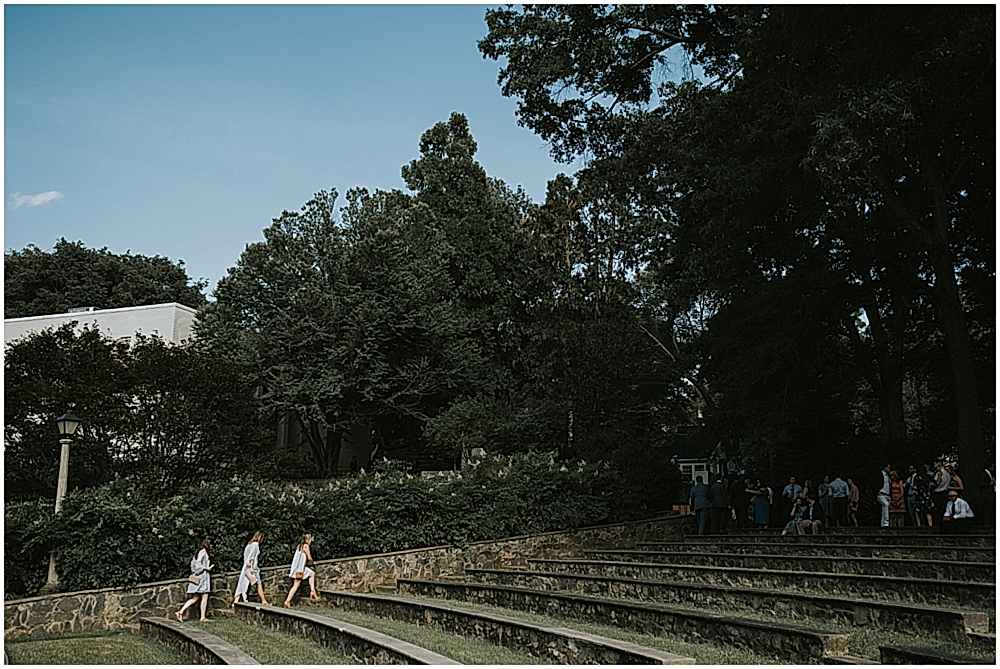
(291,593)
(180,613)
(260,593)
(204,607)
(312,587)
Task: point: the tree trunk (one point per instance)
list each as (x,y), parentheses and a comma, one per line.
(951,317)
(889,386)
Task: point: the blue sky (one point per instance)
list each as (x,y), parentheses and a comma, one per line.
(182,130)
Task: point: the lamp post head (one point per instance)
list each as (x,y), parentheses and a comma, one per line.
(68,424)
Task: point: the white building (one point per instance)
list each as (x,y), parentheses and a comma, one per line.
(171,321)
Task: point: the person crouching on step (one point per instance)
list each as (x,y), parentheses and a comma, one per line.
(300,571)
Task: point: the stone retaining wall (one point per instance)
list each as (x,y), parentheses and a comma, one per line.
(117,608)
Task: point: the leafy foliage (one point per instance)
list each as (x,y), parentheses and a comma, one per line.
(120,534)
(39,282)
(161,413)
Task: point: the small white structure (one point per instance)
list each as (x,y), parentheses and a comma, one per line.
(171,321)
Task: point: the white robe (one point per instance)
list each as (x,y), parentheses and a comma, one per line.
(299,564)
(250,566)
(200,564)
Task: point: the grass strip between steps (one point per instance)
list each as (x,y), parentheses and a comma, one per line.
(862,641)
(467,650)
(113,648)
(269,646)
(703,653)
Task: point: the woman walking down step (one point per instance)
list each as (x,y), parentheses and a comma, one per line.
(250,573)
(300,571)
(199,582)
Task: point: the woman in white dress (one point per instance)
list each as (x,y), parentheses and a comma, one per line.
(250,573)
(300,571)
(199,582)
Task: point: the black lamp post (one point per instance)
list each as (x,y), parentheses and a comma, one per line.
(68,424)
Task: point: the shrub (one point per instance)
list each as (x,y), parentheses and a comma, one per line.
(121,534)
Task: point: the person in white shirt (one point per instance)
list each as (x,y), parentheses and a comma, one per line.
(883,497)
(957,514)
(199,582)
(250,573)
(300,571)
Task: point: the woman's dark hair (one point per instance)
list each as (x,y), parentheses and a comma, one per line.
(204,544)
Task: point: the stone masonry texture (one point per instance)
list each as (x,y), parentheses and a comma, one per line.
(120,608)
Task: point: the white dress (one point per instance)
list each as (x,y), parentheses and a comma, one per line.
(299,564)
(199,567)
(250,566)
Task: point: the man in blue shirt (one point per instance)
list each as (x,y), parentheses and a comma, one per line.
(839,491)
(699,501)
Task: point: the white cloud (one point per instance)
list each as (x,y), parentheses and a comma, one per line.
(19,200)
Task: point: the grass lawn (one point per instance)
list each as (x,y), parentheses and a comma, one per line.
(271,647)
(461,649)
(114,648)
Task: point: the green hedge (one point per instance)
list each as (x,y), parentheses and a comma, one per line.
(117,535)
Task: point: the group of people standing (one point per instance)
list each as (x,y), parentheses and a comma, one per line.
(743,503)
(930,496)
(808,508)
(200,580)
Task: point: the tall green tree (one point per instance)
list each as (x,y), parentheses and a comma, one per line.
(387,315)
(161,413)
(71,275)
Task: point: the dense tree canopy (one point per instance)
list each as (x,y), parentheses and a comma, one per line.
(39,282)
(161,413)
(850,145)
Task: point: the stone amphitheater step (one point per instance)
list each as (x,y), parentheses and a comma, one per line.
(924,539)
(366,646)
(983,640)
(562,645)
(917,655)
(793,643)
(848,659)
(939,552)
(979,572)
(868,529)
(963,594)
(200,646)
(848,612)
